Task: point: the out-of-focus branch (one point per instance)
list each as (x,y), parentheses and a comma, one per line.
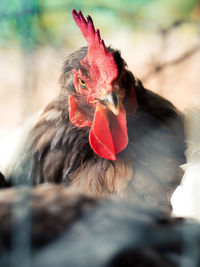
(159,67)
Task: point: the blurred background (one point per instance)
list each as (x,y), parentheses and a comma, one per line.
(160,41)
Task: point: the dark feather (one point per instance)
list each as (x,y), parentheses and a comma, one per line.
(69,230)
(3,183)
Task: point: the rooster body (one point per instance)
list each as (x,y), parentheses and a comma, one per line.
(104,133)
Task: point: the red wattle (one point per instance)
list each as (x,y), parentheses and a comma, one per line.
(118,128)
(108,134)
(76,116)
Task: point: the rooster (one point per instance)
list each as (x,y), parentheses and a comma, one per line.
(105,133)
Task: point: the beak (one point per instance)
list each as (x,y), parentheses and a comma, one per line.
(112,102)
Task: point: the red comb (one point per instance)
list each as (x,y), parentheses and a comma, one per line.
(96,48)
(87,28)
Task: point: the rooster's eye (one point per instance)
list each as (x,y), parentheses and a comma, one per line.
(82,83)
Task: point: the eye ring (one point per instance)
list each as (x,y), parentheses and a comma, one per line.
(82,83)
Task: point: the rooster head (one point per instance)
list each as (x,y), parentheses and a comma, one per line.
(98,83)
